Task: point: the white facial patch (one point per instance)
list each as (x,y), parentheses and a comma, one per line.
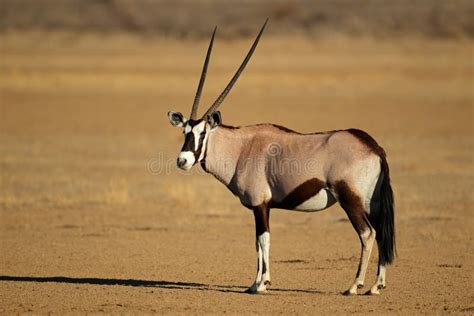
(187,129)
(189,157)
(197,130)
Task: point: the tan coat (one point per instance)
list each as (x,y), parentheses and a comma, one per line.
(266,163)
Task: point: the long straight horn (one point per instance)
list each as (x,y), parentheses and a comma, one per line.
(227,89)
(203,78)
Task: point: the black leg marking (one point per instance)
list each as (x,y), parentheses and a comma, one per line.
(262,217)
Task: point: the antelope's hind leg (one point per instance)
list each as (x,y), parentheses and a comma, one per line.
(379,283)
(262,227)
(352,204)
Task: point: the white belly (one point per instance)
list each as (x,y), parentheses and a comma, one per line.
(318,202)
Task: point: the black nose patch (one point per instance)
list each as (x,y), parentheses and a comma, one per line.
(180,162)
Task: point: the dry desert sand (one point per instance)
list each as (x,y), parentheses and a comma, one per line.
(95,217)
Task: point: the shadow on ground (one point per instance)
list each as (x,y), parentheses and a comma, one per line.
(147,283)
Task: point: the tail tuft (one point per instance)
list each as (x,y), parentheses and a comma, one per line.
(382,215)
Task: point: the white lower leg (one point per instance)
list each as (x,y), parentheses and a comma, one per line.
(367,240)
(263,271)
(264,240)
(380,283)
(258,278)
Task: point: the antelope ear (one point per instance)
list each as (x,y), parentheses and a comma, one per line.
(176,119)
(214,119)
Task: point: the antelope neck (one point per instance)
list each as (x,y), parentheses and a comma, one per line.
(222,152)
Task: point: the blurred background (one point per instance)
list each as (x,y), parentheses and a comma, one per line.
(192,19)
(87,155)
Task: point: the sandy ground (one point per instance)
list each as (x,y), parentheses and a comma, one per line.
(95,217)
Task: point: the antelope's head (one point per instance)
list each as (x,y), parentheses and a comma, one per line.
(196,130)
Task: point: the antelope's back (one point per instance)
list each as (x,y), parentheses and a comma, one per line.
(292,158)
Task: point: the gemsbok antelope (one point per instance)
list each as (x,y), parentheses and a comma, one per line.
(269,166)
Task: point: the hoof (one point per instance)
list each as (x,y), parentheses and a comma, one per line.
(250,291)
(255,290)
(349,293)
(373,291)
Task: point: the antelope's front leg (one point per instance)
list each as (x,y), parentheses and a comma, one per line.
(262,227)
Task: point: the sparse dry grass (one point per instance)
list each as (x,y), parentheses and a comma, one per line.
(82,117)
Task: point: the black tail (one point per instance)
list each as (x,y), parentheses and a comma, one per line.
(382,215)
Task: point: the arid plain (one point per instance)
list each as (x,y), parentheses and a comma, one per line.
(95,217)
